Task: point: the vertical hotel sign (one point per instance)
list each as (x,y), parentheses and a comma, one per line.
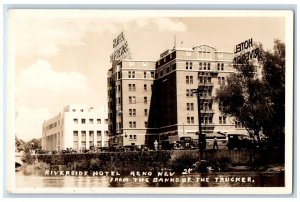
(121,49)
(245,51)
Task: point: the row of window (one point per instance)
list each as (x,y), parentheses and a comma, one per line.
(206,120)
(189,120)
(131,87)
(204,66)
(203,106)
(131,74)
(91,121)
(132,112)
(132,137)
(74,110)
(132,124)
(221,80)
(83,144)
(132,100)
(91,133)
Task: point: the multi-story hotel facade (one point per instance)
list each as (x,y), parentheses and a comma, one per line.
(130,84)
(76,126)
(139,115)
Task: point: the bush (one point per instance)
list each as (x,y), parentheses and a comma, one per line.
(184,161)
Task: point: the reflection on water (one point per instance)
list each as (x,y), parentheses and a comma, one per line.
(232,179)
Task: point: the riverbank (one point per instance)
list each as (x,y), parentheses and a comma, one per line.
(153,161)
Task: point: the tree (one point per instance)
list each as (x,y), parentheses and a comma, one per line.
(255,94)
(19,144)
(273,64)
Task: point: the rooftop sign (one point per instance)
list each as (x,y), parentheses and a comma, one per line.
(121,49)
(245,51)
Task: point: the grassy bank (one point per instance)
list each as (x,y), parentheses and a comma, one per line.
(176,161)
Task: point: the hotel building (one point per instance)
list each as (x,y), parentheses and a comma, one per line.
(155,100)
(76,126)
(130,84)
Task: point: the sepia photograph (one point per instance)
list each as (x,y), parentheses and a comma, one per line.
(149,101)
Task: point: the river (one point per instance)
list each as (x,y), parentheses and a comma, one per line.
(218,179)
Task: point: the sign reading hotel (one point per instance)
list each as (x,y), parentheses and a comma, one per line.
(245,51)
(121,49)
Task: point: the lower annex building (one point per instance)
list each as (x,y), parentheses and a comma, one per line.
(154,100)
(78,127)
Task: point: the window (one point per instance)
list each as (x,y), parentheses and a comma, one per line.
(91,134)
(222,66)
(132,124)
(208,66)
(75,145)
(145,87)
(192,120)
(189,106)
(83,121)
(132,112)
(98,143)
(83,144)
(221,80)
(188,120)
(75,133)
(132,100)
(133,74)
(189,79)
(152,75)
(146,124)
(81,110)
(200,66)
(98,121)
(191,65)
(210,120)
(218,66)
(145,75)
(83,135)
(132,137)
(131,87)
(186,65)
(222,119)
(238,124)
(91,121)
(119,100)
(145,100)
(99,133)
(75,121)
(106,121)
(119,88)
(204,66)
(189,92)
(129,74)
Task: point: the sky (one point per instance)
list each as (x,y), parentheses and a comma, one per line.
(62,57)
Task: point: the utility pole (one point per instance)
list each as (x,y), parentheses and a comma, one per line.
(201,137)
